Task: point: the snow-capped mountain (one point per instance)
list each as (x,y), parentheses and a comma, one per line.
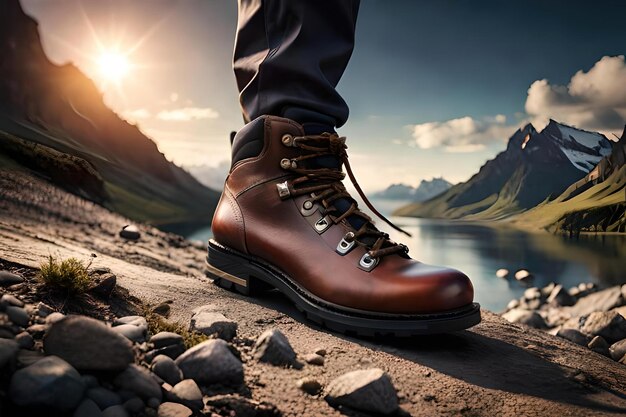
(536,166)
(425,190)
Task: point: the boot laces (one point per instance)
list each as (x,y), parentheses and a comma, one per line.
(325,184)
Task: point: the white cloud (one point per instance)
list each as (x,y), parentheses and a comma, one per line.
(138,114)
(188,113)
(594,100)
(465,134)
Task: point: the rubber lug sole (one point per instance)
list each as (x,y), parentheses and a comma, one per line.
(235,271)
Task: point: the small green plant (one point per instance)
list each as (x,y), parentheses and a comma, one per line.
(69,274)
(158,324)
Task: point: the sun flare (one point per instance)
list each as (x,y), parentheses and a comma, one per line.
(113,66)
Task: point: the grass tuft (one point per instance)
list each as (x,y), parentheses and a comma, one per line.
(157,323)
(69,274)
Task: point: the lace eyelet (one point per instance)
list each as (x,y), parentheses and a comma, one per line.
(287,140)
(346,244)
(283,190)
(367,263)
(285,163)
(322,224)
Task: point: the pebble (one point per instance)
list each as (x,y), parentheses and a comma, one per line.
(309,385)
(618,350)
(140,381)
(320,351)
(25,340)
(115,411)
(162,309)
(599,345)
(522,275)
(105,286)
(54,317)
(7,279)
(187,393)
(37,330)
(166,369)
(368,390)
(163,339)
(522,316)
(103,397)
(211,322)
(274,348)
(560,297)
(514,303)
(314,359)
(574,336)
(44,310)
(134,405)
(8,351)
(130,232)
(10,300)
(502,273)
(610,325)
(173,352)
(532,293)
(134,320)
(133,333)
(174,410)
(88,344)
(210,362)
(48,382)
(87,408)
(18,315)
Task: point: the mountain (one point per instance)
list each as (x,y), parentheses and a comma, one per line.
(425,190)
(53,120)
(596,202)
(213,176)
(536,166)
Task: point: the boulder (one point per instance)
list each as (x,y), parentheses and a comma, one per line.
(211,362)
(49,382)
(188,393)
(601,301)
(140,381)
(610,325)
(368,390)
(166,369)
(88,344)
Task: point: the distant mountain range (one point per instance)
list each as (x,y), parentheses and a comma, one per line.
(53,121)
(537,169)
(425,190)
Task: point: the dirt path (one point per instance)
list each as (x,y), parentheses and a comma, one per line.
(495,369)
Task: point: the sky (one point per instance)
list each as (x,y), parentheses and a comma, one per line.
(435,87)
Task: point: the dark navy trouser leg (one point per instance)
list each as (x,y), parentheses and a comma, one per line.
(290,54)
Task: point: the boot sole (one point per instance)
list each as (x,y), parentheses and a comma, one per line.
(235,271)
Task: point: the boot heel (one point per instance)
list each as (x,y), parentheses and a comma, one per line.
(232,272)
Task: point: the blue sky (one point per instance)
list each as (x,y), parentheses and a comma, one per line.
(435,87)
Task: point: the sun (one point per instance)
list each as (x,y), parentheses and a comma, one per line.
(113,66)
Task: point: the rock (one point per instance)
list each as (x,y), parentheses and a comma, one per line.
(574,336)
(115,411)
(37,330)
(103,397)
(314,359)
(532,293)
(173,352)
(134,320)
(134,405)
(502,273)
(618,350)
(601,301)
(25,340)
(512,304)
(90,381)
(187,393)
(8,351)
(18,315)
(133,333)
(529,318)
(153,403)
(368,390)
(88,344)
(54,317)
(309,385)
(162,309)
(547,290)
(139,381)
(48,382)
(87,408)
(174,410)
(211,362)
(320,351)
(7,279)
(163,339)
(10,300)
(274,348)
(28,357)
(621,310)
(560,297)
(523,275)
(599,345)
(105,286)
(44,310)
(166,369)
(610,325)
(130,232)
(210,322)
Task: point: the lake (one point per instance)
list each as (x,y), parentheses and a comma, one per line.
(480,250)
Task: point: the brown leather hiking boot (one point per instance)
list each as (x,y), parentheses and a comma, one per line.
(278,224)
